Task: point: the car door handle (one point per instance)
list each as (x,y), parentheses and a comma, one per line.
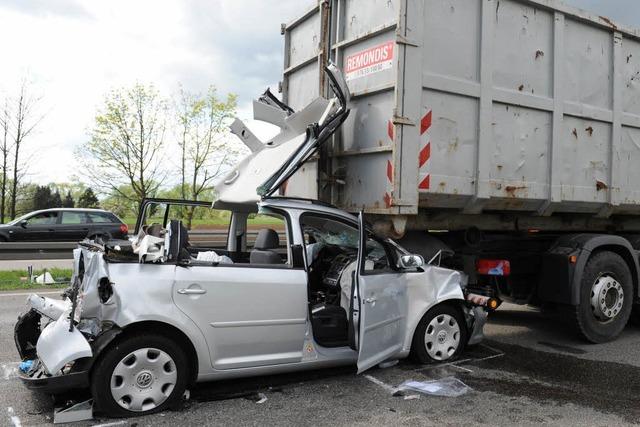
(370,300)
(190,291)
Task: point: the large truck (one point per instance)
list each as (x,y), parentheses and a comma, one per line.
(501,135)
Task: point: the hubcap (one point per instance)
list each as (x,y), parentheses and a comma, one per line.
(442,337)
(607,298)
(143,379)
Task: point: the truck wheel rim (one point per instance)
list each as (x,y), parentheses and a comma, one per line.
(143,379)
(607,298)
(442,337)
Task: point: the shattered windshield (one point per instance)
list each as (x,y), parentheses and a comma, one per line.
(330,232)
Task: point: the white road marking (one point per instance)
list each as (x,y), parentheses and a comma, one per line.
(499,353)
(460,367)
(115,423)
(489,357)
(13,417)
(26,294)
(391,389)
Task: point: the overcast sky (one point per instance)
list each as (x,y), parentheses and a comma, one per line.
(75,51)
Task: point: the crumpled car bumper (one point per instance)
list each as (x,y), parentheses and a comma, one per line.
(38,380)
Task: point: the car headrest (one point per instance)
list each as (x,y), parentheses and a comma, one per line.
(179,240)
(267,239)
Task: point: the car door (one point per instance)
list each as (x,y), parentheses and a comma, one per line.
(251,315)
(39,227)
(73,225)
(379,303)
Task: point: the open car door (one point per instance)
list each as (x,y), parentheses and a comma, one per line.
(379,307)
(271,163)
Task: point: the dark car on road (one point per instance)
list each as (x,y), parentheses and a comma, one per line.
(64,224)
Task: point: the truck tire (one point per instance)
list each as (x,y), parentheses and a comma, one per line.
(606,297)
(138,375)
(440,336)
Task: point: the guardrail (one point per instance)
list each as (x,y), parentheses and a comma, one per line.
(63,250)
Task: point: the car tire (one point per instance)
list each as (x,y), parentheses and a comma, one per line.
(138,375)
(440,336)
(601,319)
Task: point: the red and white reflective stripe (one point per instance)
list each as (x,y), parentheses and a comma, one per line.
(425,151)
(389,172)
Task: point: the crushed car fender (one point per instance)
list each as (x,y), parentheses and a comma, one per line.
(55,356)
(52,308)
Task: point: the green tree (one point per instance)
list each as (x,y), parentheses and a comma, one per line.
(42,198)
(125,146)
(56,200)
(202,133)
(68,201)
(88,199)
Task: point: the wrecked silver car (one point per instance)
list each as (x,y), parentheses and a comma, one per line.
(145,319)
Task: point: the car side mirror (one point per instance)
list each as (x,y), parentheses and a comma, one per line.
(23,223)
(411,261)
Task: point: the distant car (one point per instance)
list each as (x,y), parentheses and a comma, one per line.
(64,224)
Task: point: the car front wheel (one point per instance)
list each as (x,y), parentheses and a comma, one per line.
(139,375)
(440,336)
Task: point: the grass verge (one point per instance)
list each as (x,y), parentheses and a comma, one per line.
(11,280)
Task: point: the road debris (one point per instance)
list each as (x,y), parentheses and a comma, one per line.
(448,387)
(8,370)
(13,417)
(74,411)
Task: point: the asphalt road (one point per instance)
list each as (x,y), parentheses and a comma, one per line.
(529,371)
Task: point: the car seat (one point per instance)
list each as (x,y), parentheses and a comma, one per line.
(264,248)
(178,242)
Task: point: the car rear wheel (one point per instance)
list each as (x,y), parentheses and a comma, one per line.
(606,297)
(139,375)
(440,336)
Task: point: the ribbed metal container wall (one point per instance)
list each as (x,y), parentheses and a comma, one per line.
(472,107)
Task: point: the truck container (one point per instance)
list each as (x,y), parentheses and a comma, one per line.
(510,126)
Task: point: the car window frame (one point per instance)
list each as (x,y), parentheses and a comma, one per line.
(105,215)
(393,269)
(289,265)
(61,214)
(57,221)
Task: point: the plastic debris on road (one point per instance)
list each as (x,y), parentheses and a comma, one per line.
(15,420)
(45,279)
(448,387)
(8,370)
(74,411)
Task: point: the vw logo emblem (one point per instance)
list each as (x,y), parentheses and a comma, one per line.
(144,380)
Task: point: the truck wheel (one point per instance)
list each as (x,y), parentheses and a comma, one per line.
(441,335)
(139,375)
(606,294)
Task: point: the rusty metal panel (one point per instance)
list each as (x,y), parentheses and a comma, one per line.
(588,65)
(631,77)
(520,150)
(452,31)
(524,106)
(523,54)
